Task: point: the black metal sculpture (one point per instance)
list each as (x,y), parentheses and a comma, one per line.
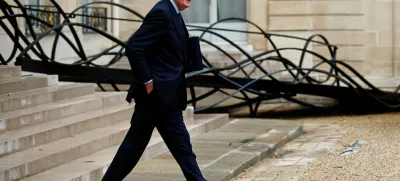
(267,86)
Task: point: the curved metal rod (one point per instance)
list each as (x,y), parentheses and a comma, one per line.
(49,25)
(308,51)
(73,46)
(2,61)
(201,97)
(225,53)
(233,19)
(262,32)
(33,34)
(13,38)
(236,46)
(112,4)
(139,15)
(264,53)
(74,34)
(193,94)
(17,32)
(306,46)
(242,87)
(101,87)
(257,92)
(23,53)
(371,95)
(3,6)
(244,20)
(207,30)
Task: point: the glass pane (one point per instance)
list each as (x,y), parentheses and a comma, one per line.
(199,12)
(36,2)
(232,9)
(85,1)
(32,2)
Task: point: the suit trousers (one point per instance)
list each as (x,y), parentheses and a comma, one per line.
(169,123)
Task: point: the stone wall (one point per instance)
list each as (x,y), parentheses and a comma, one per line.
(142,7)
(366,31)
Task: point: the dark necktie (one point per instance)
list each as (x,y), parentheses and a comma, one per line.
(180,28)
(180,18)
(181,31)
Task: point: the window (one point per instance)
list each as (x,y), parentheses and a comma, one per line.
(210,11)
(199,12)
(232,9)
(34,2)
(93,16)
(83,2)
(38,9)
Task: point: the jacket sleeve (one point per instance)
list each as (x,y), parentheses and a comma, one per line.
(153,27)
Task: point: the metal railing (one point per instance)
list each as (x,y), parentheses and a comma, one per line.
(337,84)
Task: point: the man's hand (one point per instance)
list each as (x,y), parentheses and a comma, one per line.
(149,87)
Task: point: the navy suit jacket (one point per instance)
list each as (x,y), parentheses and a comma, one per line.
(157,50)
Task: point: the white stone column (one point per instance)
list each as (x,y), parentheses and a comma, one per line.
(115,24)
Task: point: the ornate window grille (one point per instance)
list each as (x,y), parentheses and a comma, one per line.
(94,17)
(46,13)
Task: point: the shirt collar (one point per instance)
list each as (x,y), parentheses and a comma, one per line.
(175,6)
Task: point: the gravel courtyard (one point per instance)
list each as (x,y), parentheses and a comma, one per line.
(378,159)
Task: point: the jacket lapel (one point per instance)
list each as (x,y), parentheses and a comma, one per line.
(174,20)
(181,35)
(186,41)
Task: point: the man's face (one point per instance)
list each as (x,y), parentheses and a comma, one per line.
(183,4)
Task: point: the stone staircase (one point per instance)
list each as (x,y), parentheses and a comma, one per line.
(57,131)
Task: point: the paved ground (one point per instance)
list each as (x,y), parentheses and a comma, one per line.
(226,152)
(377,160)
(292,159)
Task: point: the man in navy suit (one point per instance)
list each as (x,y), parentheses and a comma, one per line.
(157,55)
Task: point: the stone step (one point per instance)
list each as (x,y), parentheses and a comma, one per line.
(47,112)
(12,85)
(41,158)
(19,100)
(225,152)
(112,98)
(39,134)
(188,115)
(93,167)
(9,72)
